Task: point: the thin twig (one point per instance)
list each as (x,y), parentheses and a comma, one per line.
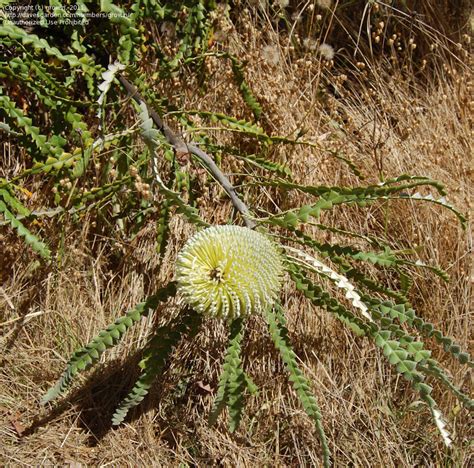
(183,149)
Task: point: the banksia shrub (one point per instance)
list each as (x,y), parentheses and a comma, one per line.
(89,156)
(229,272)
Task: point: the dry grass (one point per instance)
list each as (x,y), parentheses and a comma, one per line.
(371,416)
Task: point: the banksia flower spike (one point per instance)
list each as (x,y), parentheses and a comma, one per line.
(229,271)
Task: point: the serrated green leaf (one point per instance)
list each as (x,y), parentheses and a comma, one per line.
(155,356)
(37,245)
(88,355)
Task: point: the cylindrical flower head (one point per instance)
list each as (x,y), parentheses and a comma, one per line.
(229,271)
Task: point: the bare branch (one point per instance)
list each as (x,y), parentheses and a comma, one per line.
(182,149)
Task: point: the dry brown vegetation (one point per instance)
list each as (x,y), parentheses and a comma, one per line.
(389,116)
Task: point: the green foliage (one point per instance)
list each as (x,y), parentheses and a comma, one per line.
(85,357)
(319,297)
(232,124)
(194,31)
(403,313)
(268,165)
(128,32)
(244,88)
(397,356)
(162,227)
(279,334)
(33,241)
(380,190)
(155,356)
(100,193)
(385,258)
(233,380)
(402,350)
(363,281)
(13,202)
(10,30)
(36,143)
(361,196)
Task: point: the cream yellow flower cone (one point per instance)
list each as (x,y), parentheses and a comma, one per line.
(229,272)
